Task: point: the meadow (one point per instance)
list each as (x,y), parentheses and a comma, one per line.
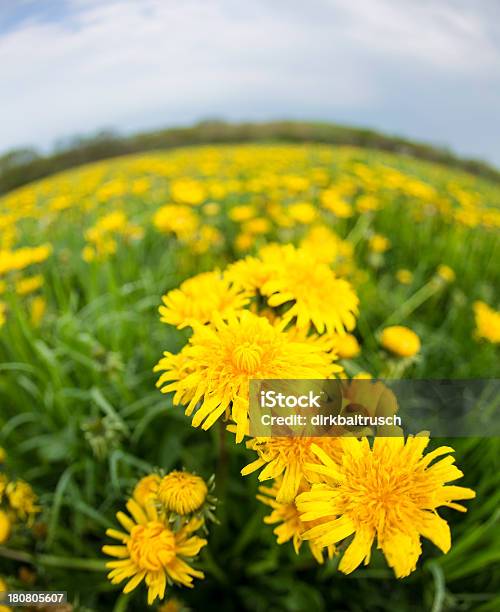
(349,261)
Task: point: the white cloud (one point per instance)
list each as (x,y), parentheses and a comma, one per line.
(140,63)
(443,35)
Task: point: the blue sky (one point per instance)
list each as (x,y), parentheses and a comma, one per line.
(429,70)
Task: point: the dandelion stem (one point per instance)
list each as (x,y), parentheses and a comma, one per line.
(359,230)
(222,465)
(439,584)
(122,603)
(92,565)
(413,302)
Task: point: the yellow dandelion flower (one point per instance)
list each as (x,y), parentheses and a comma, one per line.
(259,225)
(446,273)
(3,313)
(200,298)
(37,310)
(214,371)
(363,376)
(149,550)
(22,499)
(316,295)
(326,246)
(367,203)
(290,526)
(279,214)
(390,492)
(206,238)
(400,340)
(5,526)
(19,259)
(4,589)
(88,253)
(179,365)
(146,490)
(176,219)
(332,200)
(487,322)
(346,346)
(112,222)
(172,605)
(249,273)
(182,492)
(188,191)
(379,243)
(103,246)
(30,284)
(288,458)
(243,212)
(405,277)
(295,183)
(244,242)
(302,212)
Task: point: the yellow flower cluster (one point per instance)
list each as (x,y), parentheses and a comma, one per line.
(158,533)
(327,247)
(272,188)
(284,314)
(293,279)
(390,492)
(232,199)
(232,343)
(12,263)
(182,222)
(328,489)
(18,259)
(18,503)
(379,243)
(178,493)
(103,236)
(290,525)
(201,299)
(291,236)
(487,322)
